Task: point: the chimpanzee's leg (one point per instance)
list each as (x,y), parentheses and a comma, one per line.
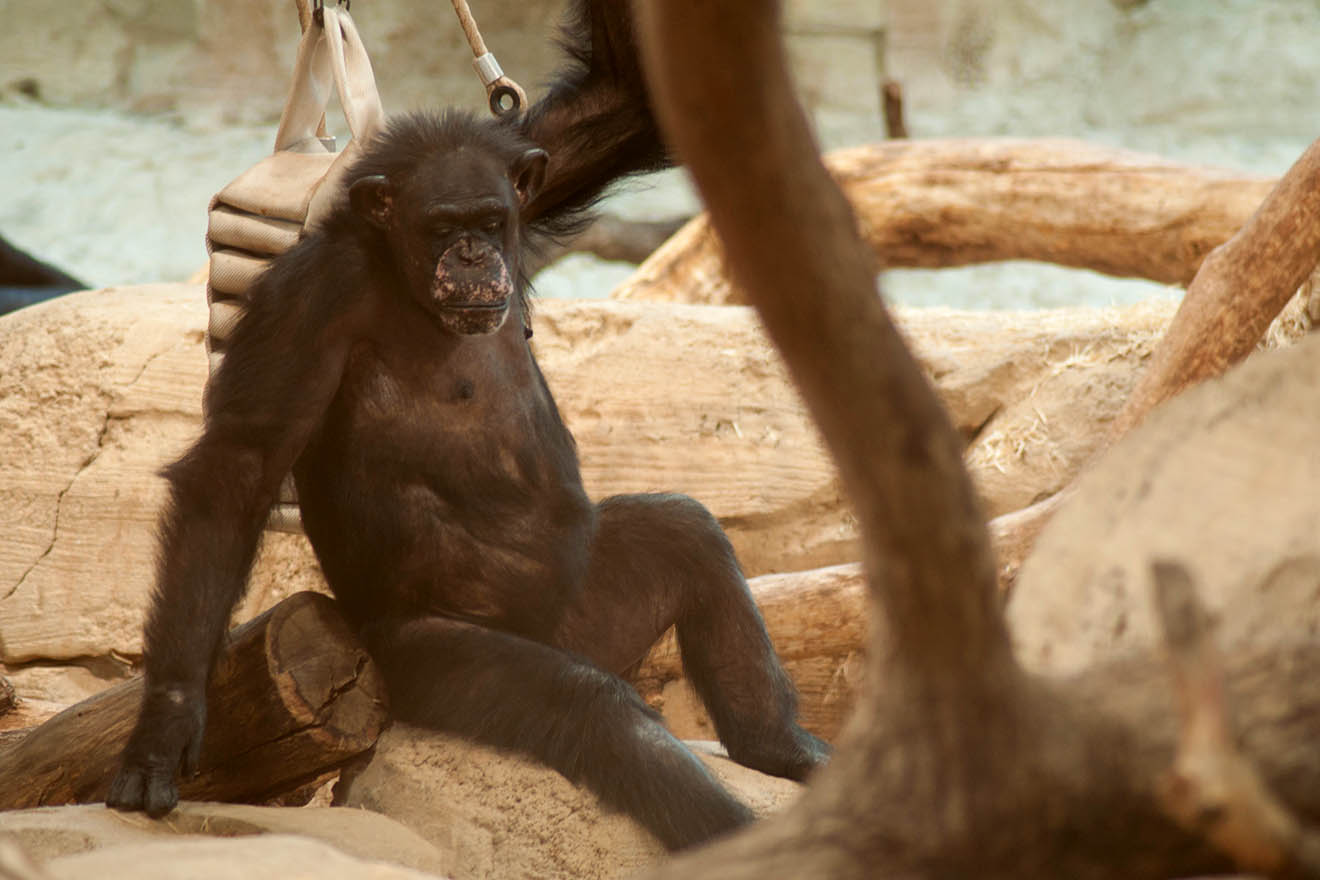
(530,698)
(662,560)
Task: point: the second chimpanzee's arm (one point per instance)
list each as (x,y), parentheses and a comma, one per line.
(283,366)
(595,120)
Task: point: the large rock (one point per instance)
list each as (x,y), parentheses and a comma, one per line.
(499,816)
(99,389)
(220,841)
(224,859)
(1222,479)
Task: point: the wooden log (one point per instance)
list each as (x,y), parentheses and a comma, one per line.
(28,713)
(1239,289)
(941,203)
(1014,536)
(818,621)
(293,695)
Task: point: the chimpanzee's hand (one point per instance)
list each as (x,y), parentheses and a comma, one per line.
(167,739)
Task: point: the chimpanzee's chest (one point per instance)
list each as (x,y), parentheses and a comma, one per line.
(463,416)
(447,474)
(431,410)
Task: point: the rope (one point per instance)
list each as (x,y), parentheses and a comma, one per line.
(502,94)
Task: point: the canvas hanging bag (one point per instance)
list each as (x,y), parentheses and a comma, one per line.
(262,213)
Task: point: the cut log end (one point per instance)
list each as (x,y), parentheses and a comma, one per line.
(293,696)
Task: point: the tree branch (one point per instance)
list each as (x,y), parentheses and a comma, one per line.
(1238,290)
(956,763)
(942,203)
(292,696)
(897,452)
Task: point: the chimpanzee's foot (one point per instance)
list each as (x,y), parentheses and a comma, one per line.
(791,754)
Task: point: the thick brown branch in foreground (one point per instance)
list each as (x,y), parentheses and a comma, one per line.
(956,764)
(1239,289)
(812,281)
(941,203)
(293,695)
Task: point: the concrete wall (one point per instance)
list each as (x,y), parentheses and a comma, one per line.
(228,60)
(1154,73)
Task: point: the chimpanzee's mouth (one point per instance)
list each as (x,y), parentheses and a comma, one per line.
(476,307)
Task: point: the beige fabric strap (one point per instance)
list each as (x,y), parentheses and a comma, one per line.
(255,234)
(330,58)
(263,212)
(232,273)
(224,314)
(278,186)
(353,74)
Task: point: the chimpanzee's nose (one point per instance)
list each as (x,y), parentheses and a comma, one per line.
(468,254)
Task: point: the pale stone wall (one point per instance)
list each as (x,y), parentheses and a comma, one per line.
(230,61)
(1175,76)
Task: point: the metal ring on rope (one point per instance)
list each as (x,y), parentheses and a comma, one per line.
(504,96)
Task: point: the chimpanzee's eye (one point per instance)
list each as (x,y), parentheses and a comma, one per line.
(493,227)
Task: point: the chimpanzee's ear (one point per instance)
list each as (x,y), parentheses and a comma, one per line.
(372,199)
(528,173)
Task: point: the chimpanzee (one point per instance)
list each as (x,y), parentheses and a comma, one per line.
(384,359)
(25,280)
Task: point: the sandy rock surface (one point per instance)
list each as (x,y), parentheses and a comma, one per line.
(100,389)
(499,816)
(220,841)
(1222,480)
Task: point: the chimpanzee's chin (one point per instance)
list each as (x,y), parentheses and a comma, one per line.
(475,320)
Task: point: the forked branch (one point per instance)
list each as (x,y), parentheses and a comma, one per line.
(1238,290)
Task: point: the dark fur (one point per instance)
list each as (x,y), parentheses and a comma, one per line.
(25,280)
(440,490)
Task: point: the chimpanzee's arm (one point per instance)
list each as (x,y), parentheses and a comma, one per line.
(283,366)
(595,120)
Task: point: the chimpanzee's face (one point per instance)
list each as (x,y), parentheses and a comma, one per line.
(454,233)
